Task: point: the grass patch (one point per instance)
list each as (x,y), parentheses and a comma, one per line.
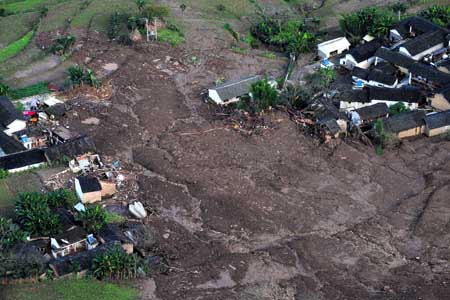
(14,48)
(21,25)
(25,5)
(71,289)
(11,186)
(35,89)
(170,36)
(239,50)
(269,55)
(114,218)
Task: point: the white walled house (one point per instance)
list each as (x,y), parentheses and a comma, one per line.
(88,189)
(11,120)
(410,97)
(411,27)
(361,56)
(425,44)
(22,161)
(333,47)
(230,92)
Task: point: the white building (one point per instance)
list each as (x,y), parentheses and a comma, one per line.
(361,56)
(333,47)
(425,44)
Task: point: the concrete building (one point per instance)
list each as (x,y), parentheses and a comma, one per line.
(407,124)
(333,47)
(437,123)
(88,189)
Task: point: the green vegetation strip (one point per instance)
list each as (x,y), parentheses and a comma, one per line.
(35,89)
(25,5)
(73,289)
(14,48)
(170,36)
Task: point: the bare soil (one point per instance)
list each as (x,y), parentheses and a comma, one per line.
(268,216)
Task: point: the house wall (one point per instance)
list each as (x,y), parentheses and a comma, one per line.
(15,126)
(411,132)
(439,102)
(78,190)
(437,131)
(324,52)
(444,69)
(214,96)
(26,168)
(92,197)
(394,35)
(355,105)
(428,51)
(379,84)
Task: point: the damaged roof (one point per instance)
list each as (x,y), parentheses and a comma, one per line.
(405,121)
(89,184)
(371,112)
(22,159)
(360,73)
(70,149)
(365,51)
(430,73)
(425,41)
(73,235)
(409,94)
(438,120)
(381,77)
(8,112)
(395,58)
(237,88)
(417,24)
(9,145)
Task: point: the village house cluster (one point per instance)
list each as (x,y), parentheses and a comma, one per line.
(33,137)
(410,68)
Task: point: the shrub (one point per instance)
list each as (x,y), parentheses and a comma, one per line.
(3,173)
(397,108)
(157,11)
(60,197)
(140,4)
(93,218)
(35,216)
(4,89)
(295,96)
(62,44)
(35,89)
(170,36)
(439,14)
(262,97)
(79,76)
(233,33)
(13,265)
(372,20)
(221,7)
(14,48)
(115,263)
(10,234)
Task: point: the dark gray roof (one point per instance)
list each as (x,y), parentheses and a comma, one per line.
(234,89)
(72,235)
(89,184)
(410,94)
(438,120)
(57,110)
(430,74)
(445,91)
(425,41)
(326,111)
(395,58)
(445,63)
(405,121)
(22,159)
(8,112)
(9,144)
(418,25)
(359,96)
(372,112)
(360,73)
(381,77)
(386,67)
(332,126)
(70,149)
(365,51)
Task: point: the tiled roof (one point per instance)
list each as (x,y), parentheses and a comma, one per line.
(425,41)
(405,121)
(371,112)
(410,94)
(395,58)
(8,112)
(234,89)
(365,51)
(438,120)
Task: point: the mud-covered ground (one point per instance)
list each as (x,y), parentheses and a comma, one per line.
(270,216)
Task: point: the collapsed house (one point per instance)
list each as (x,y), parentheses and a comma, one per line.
(231,91)
(440,100)
(11,120)
(9,145)
(88,189)
(71,241)
(368,114)
(69,150)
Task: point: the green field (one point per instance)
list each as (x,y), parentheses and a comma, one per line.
(71,289)
(11,186)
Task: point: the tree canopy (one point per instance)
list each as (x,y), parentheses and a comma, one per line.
(439,14)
